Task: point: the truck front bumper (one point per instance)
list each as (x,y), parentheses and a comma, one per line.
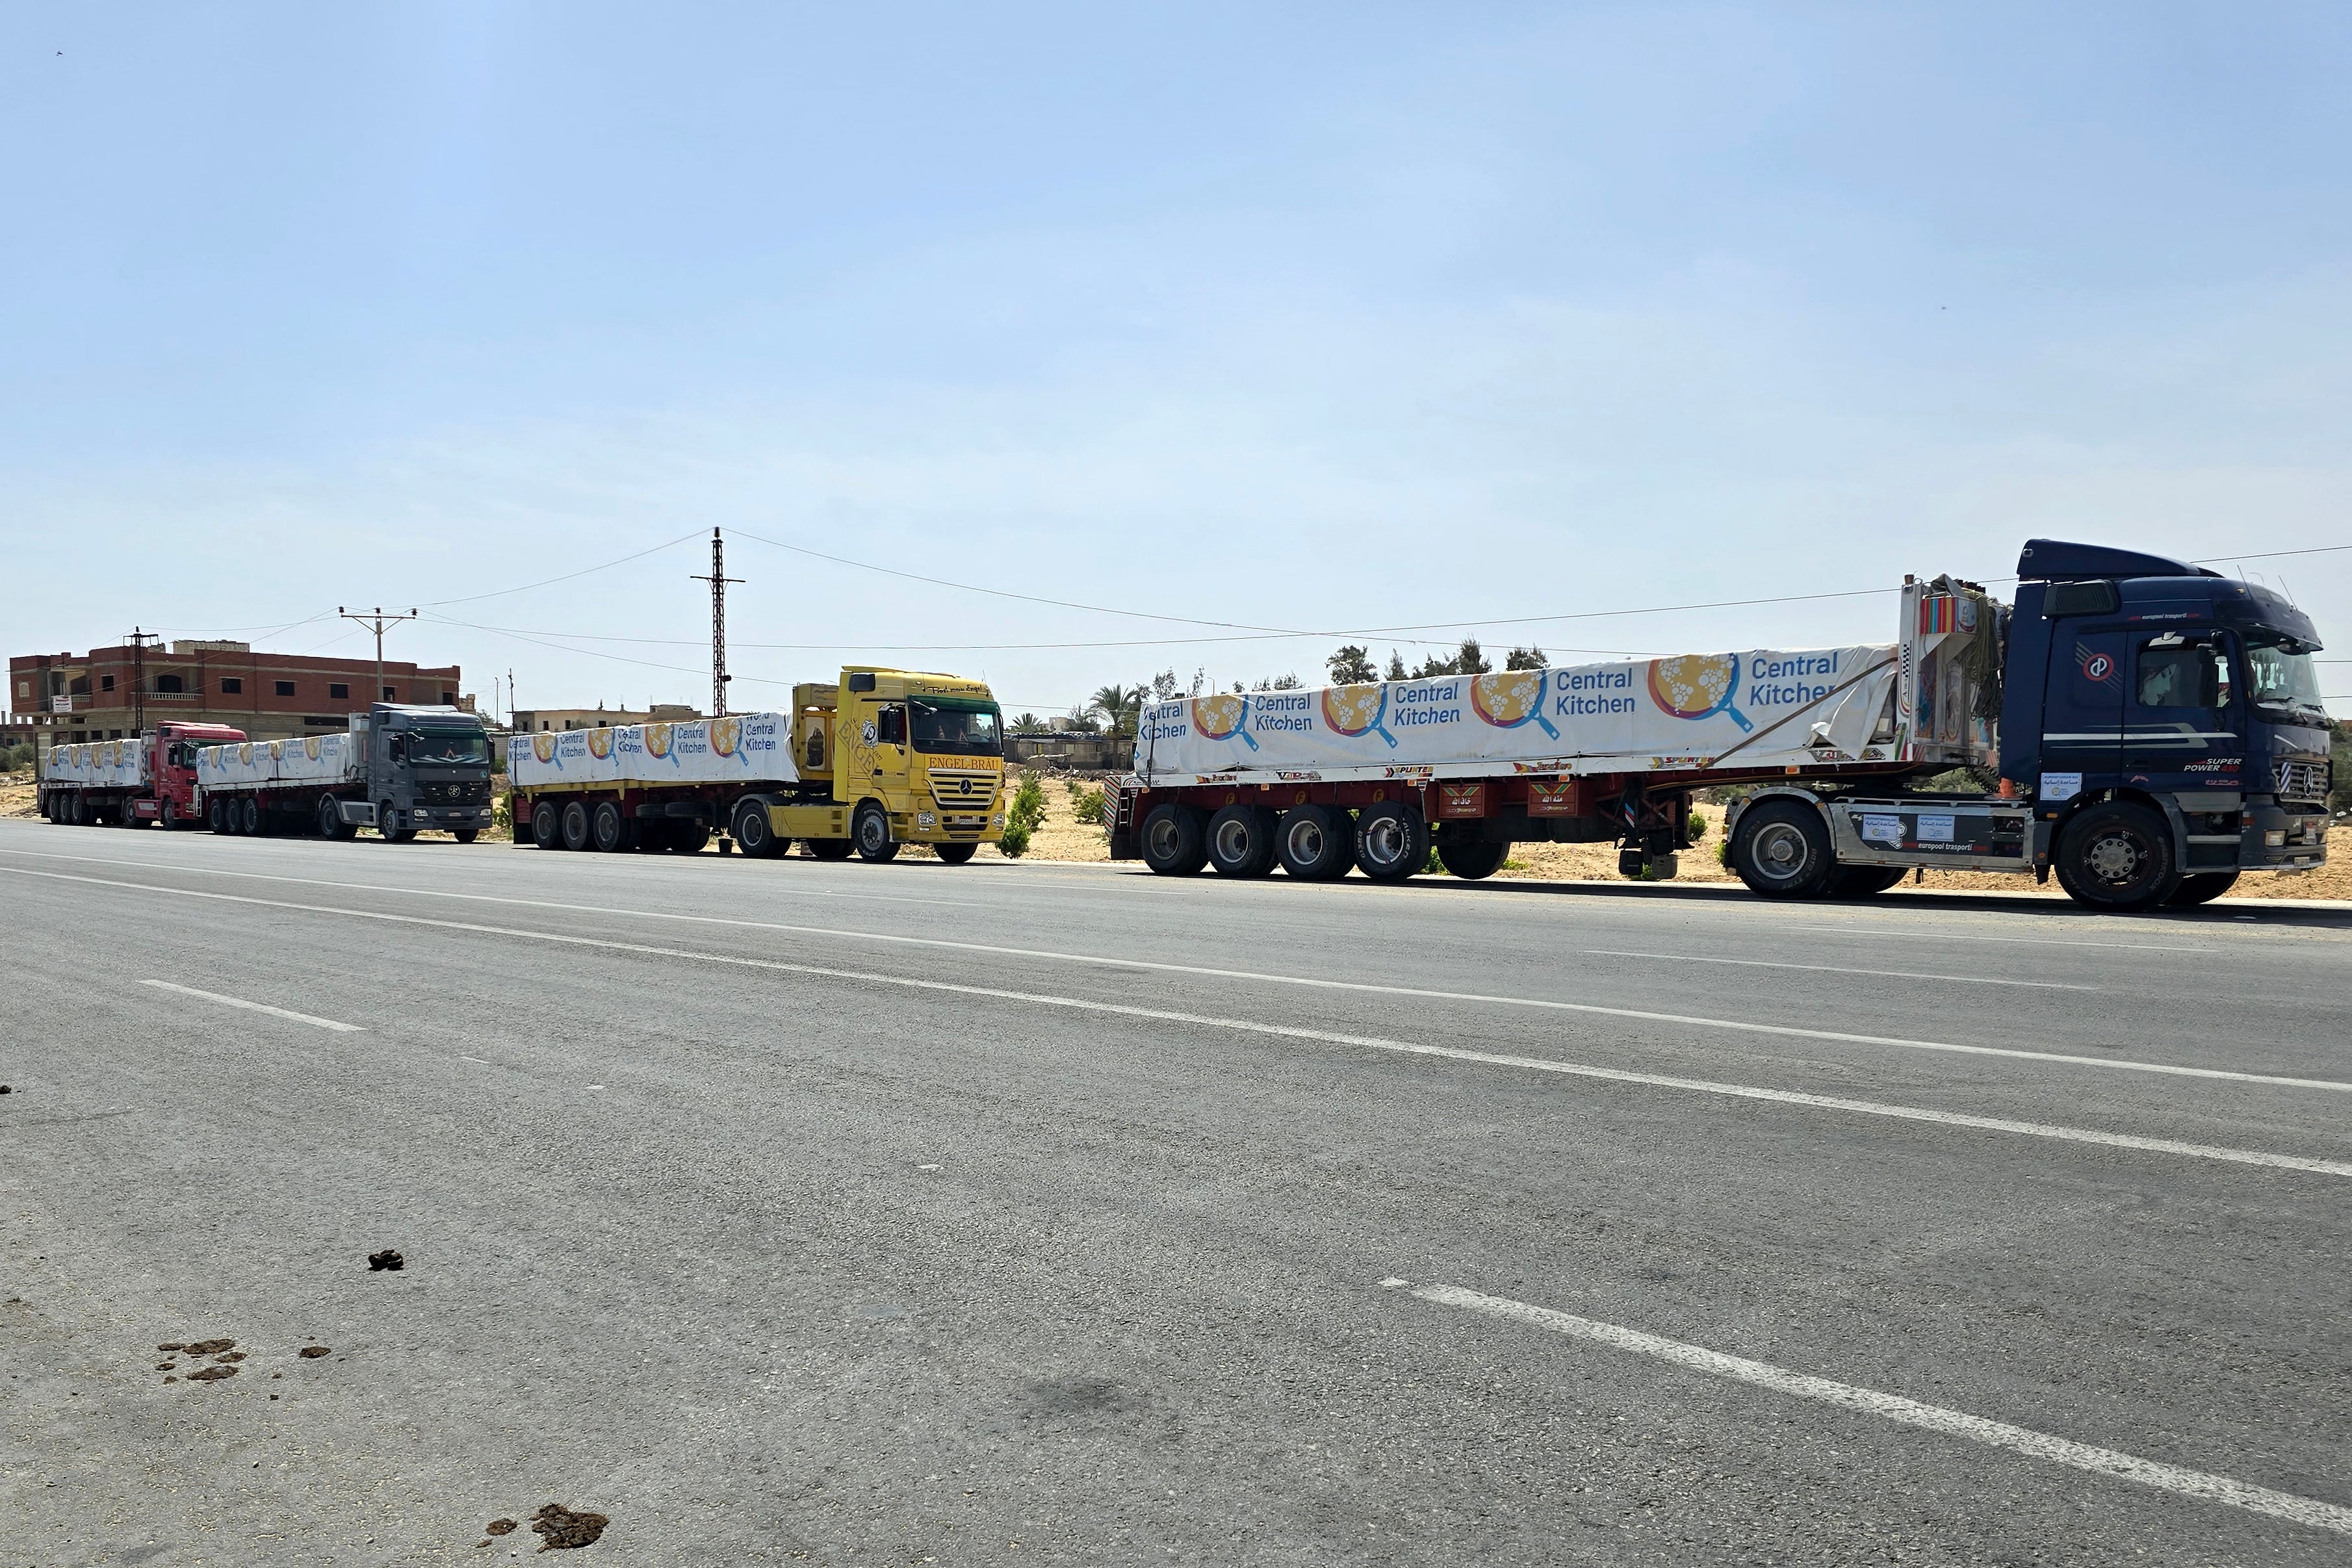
(424,819)
(2281,838)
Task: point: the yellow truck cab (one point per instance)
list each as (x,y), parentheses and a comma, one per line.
(906,758)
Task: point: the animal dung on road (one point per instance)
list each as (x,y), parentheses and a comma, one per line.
(387,1259)
(208,1346)
(499,1527)
(211,1373)
(313,1352)
(561,1530)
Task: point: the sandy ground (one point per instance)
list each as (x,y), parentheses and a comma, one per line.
(1063,837)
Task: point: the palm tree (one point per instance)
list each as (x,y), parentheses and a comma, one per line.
(1120,706)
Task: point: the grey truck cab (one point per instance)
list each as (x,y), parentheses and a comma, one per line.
(427,767)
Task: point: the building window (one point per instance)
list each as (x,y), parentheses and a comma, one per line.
(106,683)
(232,684)
(285,688)
(339,689)
(448,699)
(388,696)
(170,684)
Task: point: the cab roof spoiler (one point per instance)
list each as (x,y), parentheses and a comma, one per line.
(2054,561)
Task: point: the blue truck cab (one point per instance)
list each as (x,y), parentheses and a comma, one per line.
(2165,723)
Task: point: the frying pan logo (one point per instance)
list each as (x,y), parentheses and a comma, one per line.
(245,752)
(276,751)
(1510,698)
(1697,685)
(657,740)
(726,735)
(542,745)
(600,741)
(1357,710)
(2096,667)
(311,747)
(1220,716)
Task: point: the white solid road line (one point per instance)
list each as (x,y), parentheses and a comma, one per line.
(1835,969)
(1314,982)
(1280,1031)
(1894,1407)
(1857,929)
(254,1006)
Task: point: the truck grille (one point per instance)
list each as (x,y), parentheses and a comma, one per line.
(2301,781)
(462,792)
(962,789)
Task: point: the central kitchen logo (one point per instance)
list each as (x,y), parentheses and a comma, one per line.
(1222,716)
(1355,711)
(599,742)
(1510,699)
(1699,687)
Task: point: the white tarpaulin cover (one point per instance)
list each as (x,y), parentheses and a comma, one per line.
(742,748)
(99,765)
(306,759)
(1760,709)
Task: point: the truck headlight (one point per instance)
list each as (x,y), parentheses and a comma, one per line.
(997,820)
(2275,838)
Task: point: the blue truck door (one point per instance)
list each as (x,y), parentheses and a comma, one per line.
(2182,729)
(2083,717)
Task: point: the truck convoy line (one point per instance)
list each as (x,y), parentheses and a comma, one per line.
(2155,728)
(884,758)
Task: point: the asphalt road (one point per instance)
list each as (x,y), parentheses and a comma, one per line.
(796,1212)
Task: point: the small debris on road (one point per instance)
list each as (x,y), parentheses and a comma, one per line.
(312,1353)
(564,1531)
(6,1090)
(387,1259)
(168,1348)
(499,1527)
(211,1373)
(166,1365)
(208,1346)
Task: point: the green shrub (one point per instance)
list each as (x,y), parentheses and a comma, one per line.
(1028,808)
(1015,841)
(1090,807)
(1698,826)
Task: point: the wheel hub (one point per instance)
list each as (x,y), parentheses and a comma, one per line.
(2114,857)
(1781,851)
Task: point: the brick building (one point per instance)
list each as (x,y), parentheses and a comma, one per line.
(60,698)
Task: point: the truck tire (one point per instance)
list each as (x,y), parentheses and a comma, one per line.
(1391,841)
(2117,856)
(1781,850)
(608,828)
(2200,887)
(755,832)
(870,831)
(1472,859)
(1866,880)
(1241,841)
(955,854)
(546,825)
(327,819)
(1316,844)
(1172,840)
(217,814)
(575,825)
(829,849)
(248,817)
(465,835)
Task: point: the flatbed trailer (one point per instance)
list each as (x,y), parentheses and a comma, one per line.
(128,783)
(2155,730)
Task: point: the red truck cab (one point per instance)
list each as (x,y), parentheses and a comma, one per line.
(170,798)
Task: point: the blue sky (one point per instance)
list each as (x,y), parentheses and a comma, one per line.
(1305,317)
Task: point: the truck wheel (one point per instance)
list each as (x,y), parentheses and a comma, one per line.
(1473,860)
(465,835)
(2117,856)
(248,817)
(955,854)
(1866,880)
(1173,843)
(829,849)
(608,828)
(575,825)
(871,831)
(1782,851)
(1391,841)
(1241,841)
(217,814)
(690,838)
(755,832)
(1316,844)
(328,819)
(546,825)
(2200,887)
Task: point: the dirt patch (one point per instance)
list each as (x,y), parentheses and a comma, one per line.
(313,1352)
(499,1527)
(19,796)
(213,1373)
(386,1260)
(204,1346)
(561,1530)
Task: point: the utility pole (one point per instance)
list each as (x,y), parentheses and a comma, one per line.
(377,619)
(510,708)
(139,641)
(719,580)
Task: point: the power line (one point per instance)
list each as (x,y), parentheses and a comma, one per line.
(567,577)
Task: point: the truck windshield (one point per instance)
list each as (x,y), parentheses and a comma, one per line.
(444,747)
(2284,680)
(971,730)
